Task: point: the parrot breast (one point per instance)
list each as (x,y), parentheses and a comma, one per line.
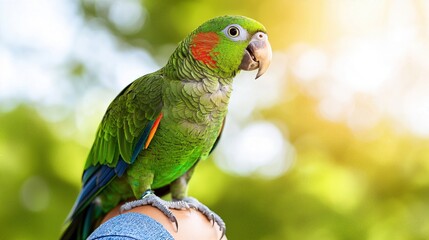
(198,108)
(193,113)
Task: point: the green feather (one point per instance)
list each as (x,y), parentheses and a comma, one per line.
(193,99)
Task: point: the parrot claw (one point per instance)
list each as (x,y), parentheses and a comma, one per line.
(149,198)
(211,216)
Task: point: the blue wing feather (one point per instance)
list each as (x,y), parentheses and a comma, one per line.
(95,178)
(121,137)
(121,167)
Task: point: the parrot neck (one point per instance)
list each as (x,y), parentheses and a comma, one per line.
(195,97)
(182,66)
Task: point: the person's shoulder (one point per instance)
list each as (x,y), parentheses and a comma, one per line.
(131,226)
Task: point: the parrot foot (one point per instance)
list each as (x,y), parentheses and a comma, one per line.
(211,216)
(149,198)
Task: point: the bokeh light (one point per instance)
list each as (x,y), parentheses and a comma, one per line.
(257,148)
(331,143)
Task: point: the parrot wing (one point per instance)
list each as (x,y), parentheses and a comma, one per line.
(127,128)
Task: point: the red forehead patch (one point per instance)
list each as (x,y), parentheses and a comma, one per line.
(202,46)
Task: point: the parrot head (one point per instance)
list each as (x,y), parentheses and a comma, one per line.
(228,44)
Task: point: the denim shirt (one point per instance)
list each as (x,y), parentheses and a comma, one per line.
(131,226)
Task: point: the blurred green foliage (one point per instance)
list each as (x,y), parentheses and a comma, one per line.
(343,185)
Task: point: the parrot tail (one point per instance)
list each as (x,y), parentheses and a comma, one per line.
(83,223)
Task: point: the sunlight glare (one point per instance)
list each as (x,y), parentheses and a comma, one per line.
(258,148)
(362,65)
(415,111)
(127,15)
(311,63)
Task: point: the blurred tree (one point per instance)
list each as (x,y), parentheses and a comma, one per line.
(31,188)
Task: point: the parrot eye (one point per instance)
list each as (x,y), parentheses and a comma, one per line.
(233,31)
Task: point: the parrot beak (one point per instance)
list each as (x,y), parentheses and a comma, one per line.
(257,54)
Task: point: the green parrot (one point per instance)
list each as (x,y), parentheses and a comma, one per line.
(161,125)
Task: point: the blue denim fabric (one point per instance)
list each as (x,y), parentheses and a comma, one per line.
(131,226)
